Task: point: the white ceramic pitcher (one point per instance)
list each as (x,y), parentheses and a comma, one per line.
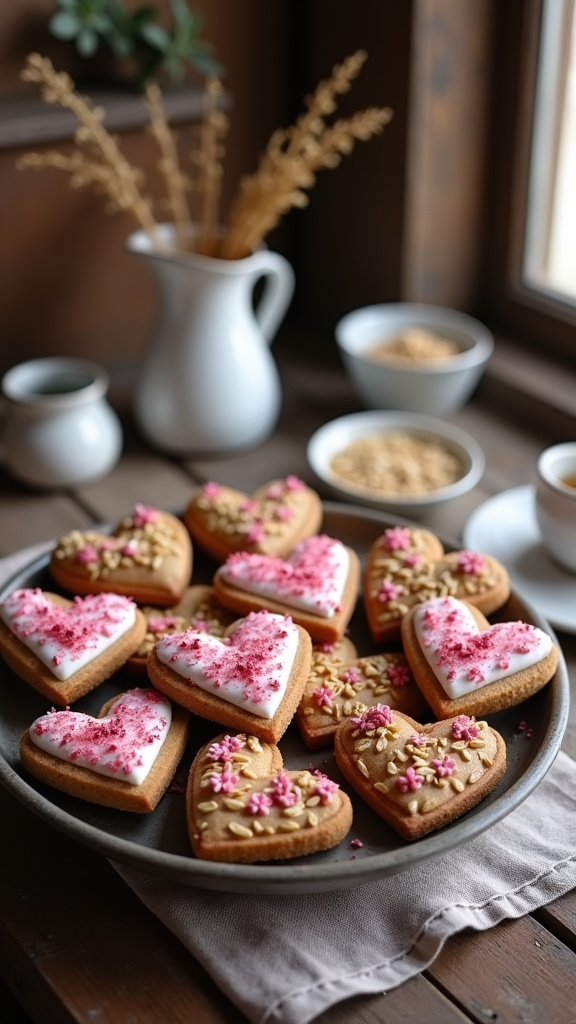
(209,383)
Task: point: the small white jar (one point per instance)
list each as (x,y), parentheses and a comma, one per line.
(556,502)
(59,429)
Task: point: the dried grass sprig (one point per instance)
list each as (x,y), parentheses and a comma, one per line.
(119,179)
(175,180)
(209,160)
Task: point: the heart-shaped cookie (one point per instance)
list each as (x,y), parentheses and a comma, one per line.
(125,758)
(147,557)
(199,609)
(242,807)
(317,585)
(270,521)
(65,648)
(464,665)
(339,687)
(419,777)
(406,566)
(252,679)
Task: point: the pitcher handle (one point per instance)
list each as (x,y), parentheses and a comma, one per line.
(279,282)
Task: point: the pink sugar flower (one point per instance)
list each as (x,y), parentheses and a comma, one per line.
(350,675)
(87,555)
(222,751)
(325,787)
(199,626)
(282,791)
(211,489)
(399,675)
(294,483)
(226,781)
(463,728)
(389,591)
(256,534)
(419,739)
(471,562)
(374,718)
(444,766)
(143,515)
(160,624)
(129,549)
(411,561)
(410,782)
(275,492)
(283,513)
(397,538)
(323,696)
(259,803)
(248,505)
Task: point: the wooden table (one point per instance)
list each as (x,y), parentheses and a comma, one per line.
(77,944)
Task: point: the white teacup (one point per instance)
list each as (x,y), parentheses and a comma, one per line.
(60,431)
(556,502)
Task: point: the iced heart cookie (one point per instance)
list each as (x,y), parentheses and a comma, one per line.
(242,807)
(65,648)
(339,688)
(408,565)
(125,758)
(147,557)
(251,680)
(317,585)
(464,665)
(419,778)
(199,609)
(271,521)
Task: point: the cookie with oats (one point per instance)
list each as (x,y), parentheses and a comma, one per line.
(419,778)
(62,648)
(198,609)
(125,758)
(250,680)
(270,521)
(148,556)
(406,566)
(317,585)
(242,807)
(339,688)
(465,665)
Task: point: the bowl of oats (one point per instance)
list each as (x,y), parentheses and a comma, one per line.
(399,462)
(411,356)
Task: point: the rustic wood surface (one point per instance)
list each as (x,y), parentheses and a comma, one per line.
(77,944)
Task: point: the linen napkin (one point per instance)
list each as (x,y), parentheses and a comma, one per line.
(286,959)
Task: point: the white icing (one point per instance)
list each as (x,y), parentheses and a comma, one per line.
(103,617)
(495,659)
(126,754)
(264,646)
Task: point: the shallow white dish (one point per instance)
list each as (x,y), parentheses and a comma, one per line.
(158,842)
(506,527)
(331,438)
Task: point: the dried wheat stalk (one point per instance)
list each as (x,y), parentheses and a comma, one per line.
(104,165)
(208,158)
(176,182)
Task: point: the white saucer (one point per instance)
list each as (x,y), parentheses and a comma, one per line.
(505,527)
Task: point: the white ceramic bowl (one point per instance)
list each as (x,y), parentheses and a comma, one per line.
(433,388)
(334,436)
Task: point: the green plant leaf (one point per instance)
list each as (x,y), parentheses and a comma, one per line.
(63,25)
(156,36)
(87,42)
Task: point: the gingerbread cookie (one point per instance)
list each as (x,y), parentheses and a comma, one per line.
(317,585)
(271,521)
(408,565)
(242,807)
(125,758)
(147,557)
(65,648)
(251,680)
(199,609)
(464,665)
(419,778)
(339,688)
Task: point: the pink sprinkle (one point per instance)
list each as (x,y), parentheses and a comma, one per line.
(463,728)
(283,513)
(325,787)
(397,538)
(356,844)
(87,555)
(389,591)
(412,561)
(470,562)
(223,750)
(444,766)
(293,483)
(374,718)
(143,515)
(256,534)
(225,782)
(248,506)
(399,675)
(410,782)
(259,803)
(350,675)
(275,492)
(283,793)
(323,696)
(161,623)
(130,549)
(211,489)
(419,739)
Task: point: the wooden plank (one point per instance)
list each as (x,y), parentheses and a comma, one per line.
(560,918)
(27,517)
(139,477)
(515,972)
(69,925)
(415,1002)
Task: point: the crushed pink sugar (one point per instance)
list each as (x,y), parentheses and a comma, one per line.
(464,728)
(397,538)
(374,718)
(470,562)
(132,723)
(143,515)
(399,675)
(356,844)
